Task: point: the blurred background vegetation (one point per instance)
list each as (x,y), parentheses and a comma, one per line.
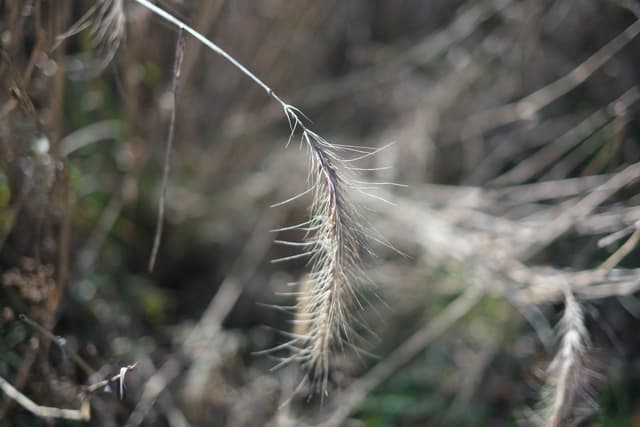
(515,128)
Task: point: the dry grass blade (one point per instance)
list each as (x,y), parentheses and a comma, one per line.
(624,250)
(532,104)
(177,67)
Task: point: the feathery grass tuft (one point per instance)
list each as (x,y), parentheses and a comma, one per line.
(106,21)
(568,399)
(334,238)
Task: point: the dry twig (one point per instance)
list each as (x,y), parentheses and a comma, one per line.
(39,410)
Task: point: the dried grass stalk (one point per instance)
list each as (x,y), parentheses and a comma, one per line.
(334,231)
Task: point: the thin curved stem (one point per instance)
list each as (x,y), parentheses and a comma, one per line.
(205,41)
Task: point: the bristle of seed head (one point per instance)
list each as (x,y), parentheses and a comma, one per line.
(333,241)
